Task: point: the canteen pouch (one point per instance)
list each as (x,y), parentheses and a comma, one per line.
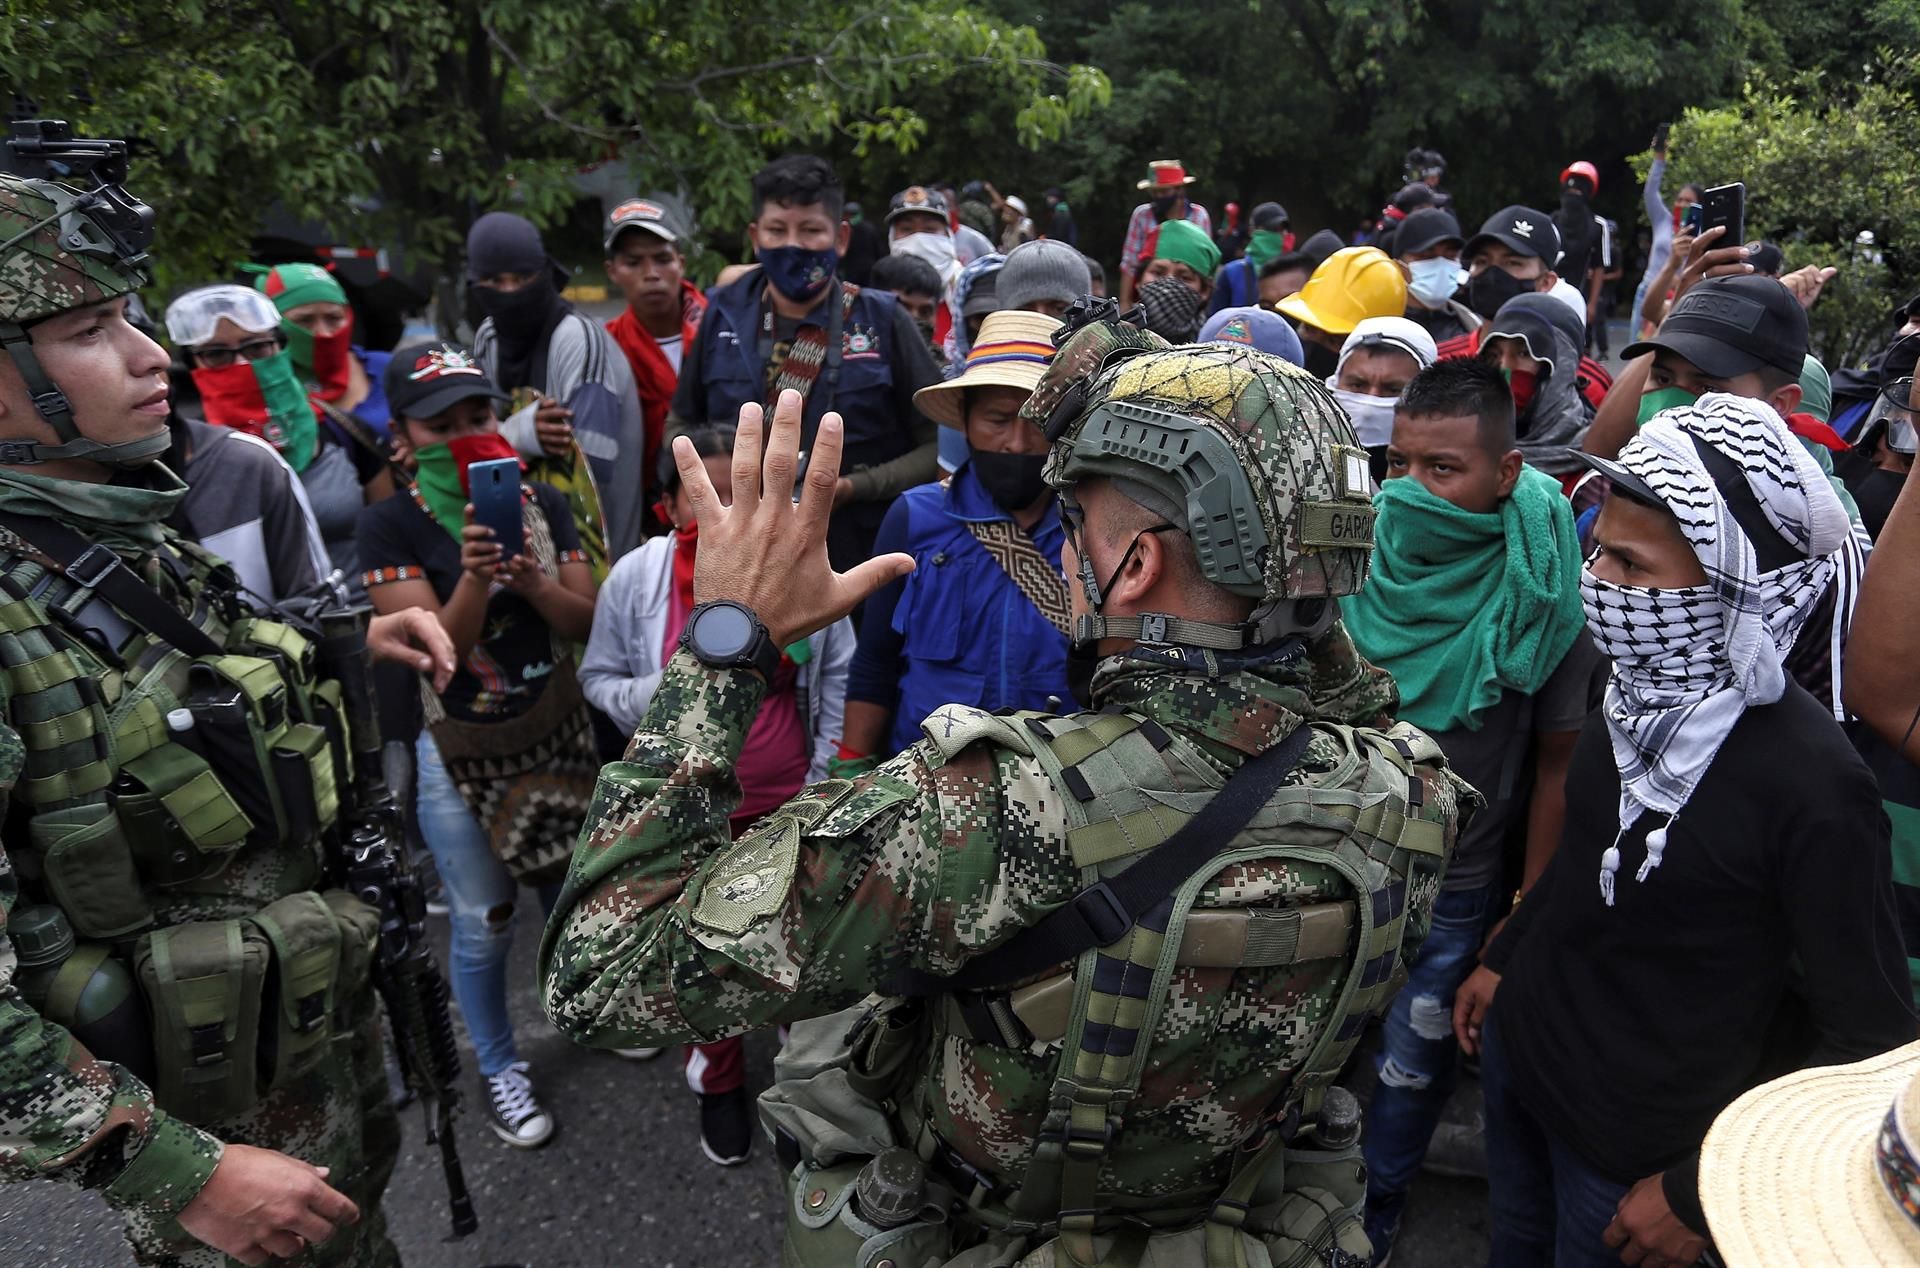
(815,1101)
(297,1000)
(87,866)
(203,982)
(239,706)
(183,823)
(825,1228)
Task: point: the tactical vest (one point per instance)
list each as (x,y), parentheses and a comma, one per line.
(175,805)
(853,1087)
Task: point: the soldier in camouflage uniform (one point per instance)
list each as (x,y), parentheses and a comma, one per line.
(89,702)
(1168,1097)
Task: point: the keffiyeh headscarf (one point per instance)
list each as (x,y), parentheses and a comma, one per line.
(1688,662)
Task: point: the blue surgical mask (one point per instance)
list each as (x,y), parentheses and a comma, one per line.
(1434,281)
(798,273)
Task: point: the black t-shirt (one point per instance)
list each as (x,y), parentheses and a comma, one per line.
(1628,1028)
(507,669)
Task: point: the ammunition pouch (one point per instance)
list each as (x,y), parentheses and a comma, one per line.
(245,1007)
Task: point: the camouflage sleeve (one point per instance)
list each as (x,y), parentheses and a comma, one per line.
(668,931)
(65,1116)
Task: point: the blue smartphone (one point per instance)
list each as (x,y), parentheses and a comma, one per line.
(494,489)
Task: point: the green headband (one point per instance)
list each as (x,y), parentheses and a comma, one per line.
(291,285)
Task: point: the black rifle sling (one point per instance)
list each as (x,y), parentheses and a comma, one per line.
(100,570)
(1102,914)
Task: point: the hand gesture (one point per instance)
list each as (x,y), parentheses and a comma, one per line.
(415,638)
(768,551)
(1705,260)
(523,576)
(1646,1231)
(1470,1004)
(553,426)
(259,1204)
(480,552)
(1807,283)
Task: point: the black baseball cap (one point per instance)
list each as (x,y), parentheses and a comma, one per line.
(1531,322)
(917,198)
(430,378)
(1520,229)
(1427,227)
(1734,325)
(1269,216)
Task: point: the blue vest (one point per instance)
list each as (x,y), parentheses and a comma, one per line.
(969,636)
(732,372)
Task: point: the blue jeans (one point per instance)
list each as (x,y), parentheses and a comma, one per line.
(480,896)
(1418,1056)
(1548,1208)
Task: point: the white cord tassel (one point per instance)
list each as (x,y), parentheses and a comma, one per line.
(1656,847)
(1609,866)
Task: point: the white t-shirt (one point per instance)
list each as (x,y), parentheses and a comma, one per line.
(671,349)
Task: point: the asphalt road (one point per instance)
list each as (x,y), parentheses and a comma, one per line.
(623,1181)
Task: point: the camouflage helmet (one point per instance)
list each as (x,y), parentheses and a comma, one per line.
(1247,454)
(51,259)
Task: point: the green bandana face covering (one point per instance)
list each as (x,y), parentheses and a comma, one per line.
(437,477)
(299,348)
(1263,246)
(1666,398)
(263,398)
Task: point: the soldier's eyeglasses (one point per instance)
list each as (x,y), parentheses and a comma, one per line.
(219,356)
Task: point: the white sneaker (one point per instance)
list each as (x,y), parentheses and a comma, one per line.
(637,1054)
(513,1113)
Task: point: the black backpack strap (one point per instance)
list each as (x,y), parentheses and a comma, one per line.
(99,569)
(1102,914)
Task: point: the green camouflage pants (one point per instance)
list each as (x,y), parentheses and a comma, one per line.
(339,1117)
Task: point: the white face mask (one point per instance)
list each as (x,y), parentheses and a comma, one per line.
(1434,281)
(1372,415)
(935,248)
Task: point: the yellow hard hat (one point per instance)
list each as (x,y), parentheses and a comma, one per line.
(1350,285)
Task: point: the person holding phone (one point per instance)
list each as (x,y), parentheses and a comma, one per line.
(507,761)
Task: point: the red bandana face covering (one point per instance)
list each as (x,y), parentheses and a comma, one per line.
(332,362)
(1524,384)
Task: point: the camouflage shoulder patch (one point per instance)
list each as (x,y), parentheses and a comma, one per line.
(952,727)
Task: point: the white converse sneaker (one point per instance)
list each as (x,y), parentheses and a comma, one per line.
(513,1113)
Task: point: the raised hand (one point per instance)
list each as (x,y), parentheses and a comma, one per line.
(768,551)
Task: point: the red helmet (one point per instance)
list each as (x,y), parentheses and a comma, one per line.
(1582,168)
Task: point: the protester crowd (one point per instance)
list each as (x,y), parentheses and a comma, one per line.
(1653,616)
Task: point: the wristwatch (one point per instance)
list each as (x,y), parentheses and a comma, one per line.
(727,635)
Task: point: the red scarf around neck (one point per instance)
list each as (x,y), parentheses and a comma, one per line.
(653,374)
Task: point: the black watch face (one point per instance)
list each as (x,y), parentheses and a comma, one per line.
(723,632)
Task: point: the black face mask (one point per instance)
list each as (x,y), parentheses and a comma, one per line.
(1163,207)
(520,315)
(1012,478)
(1492,287)
(1321,361)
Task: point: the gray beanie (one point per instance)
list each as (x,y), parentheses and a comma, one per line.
(1043,269)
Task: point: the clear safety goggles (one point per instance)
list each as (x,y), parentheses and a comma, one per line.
(192,319)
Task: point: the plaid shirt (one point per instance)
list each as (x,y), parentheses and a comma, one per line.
(1141,227)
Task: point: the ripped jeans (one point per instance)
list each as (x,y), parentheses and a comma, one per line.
(1418,1056)
(480,896)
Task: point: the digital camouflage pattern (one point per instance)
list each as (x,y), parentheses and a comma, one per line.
(39,276)
(1296,446)
(666,931)
(66,1116)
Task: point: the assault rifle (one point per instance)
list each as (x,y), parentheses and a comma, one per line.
(369,862)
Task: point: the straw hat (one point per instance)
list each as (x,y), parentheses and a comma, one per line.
(1819,1168)
(1012,351)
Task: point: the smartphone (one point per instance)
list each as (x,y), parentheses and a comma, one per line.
(1660,136)
(494,489)
(1725,205)
(1690,218)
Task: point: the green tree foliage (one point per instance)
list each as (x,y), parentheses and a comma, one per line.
(413,116)
(1825,160)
